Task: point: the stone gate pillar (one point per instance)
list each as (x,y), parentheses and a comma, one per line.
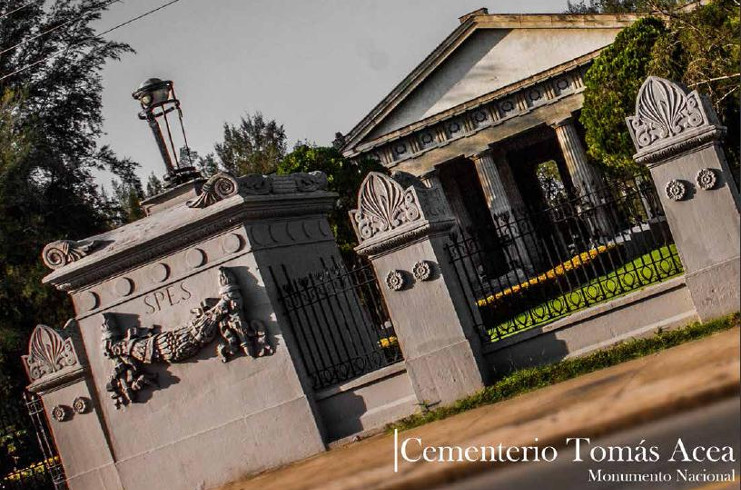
(404,231)
(677,136)
(191,376)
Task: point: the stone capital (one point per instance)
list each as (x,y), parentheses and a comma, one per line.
(566,121)
(389,215)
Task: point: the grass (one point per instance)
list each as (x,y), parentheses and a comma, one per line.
(640,272)
(530,379)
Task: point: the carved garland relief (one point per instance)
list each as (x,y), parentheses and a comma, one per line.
(222,318)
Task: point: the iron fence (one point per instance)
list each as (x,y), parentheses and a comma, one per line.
(533,267)
(339,319)
(28,456)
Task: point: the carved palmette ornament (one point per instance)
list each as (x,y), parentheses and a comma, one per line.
(222,318)
(218,187)
(62,252)
(48,353)
(383,205)
(664,110)
(675,190)
(706,179)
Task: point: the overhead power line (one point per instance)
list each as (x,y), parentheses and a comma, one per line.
(133,19)
(2,16)
(57,27)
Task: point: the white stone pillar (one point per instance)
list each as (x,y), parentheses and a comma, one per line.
(696,189)
(425,299)
(501,206)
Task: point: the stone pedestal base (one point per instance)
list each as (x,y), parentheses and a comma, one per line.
(715,290)
(445,375)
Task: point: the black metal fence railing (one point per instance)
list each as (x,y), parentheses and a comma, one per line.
(28,457)
(534,267)
(340,321)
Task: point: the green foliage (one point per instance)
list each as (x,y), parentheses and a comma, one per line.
(344,177)
(526,380)
(255,145)
(701,51)
(50,121)
(697,47)
(612,84)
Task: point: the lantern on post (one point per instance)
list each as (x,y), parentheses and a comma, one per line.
(158,100)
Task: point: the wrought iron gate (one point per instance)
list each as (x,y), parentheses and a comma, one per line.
(339,320)
(28,456)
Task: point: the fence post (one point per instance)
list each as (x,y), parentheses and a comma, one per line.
(677,135)
(403,231)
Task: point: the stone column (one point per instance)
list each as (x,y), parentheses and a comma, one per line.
(404,232)
(502,205)
(583,175)
(700,199)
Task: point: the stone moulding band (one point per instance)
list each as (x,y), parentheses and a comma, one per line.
(70,278)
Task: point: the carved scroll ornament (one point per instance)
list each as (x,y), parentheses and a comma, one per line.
(62,252)
(48,353)
(383,205)
(222,318)
(219,186)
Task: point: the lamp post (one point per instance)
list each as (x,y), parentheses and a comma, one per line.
(157,99)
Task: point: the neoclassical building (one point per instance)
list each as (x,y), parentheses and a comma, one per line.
(499,96)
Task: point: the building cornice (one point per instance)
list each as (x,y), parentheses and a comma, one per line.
(484,112)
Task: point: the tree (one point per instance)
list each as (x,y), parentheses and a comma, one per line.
(612,84)
(154,185)
(253,146)
(698,47)
(344,177)
(50,121)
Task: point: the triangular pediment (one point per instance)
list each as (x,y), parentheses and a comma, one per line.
(485,54)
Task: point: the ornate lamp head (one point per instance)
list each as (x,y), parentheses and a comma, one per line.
(158,100)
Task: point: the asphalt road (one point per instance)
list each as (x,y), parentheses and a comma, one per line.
(714,425)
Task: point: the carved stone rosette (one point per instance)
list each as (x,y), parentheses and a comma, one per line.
(60,413)
(395,280)
(675,190)
(706,179)
(62,252)
(422,270)
(222,317)
(218,187)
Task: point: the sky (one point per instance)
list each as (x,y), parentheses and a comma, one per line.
(315,66)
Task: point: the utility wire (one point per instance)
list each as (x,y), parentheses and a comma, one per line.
(134,19)
(2,16)
(57,27)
